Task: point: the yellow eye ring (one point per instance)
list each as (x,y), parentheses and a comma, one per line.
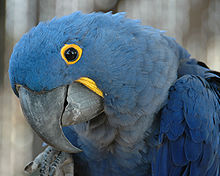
(71,53)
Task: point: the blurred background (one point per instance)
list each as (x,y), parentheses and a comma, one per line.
(194,23)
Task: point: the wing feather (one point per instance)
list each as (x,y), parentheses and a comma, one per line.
(189,130)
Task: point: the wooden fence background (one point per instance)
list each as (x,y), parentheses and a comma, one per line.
(194,23)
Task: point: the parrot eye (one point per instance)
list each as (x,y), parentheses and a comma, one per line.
(71,53)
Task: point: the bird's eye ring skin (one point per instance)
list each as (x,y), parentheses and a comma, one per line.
(71,53)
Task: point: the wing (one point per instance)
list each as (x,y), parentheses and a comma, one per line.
(189,130)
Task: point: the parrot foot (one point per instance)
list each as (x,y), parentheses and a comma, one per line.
(52,162)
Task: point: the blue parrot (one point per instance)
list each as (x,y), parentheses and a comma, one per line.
(123,98)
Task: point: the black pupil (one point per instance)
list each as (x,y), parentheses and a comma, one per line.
(71,54)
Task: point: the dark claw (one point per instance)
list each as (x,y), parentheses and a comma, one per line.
(28,168)
(60,158)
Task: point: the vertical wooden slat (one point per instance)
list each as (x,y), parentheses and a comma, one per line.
(86,6)
(195,39)
(5,152)
(213,55)
(2,49)
(2,39)
(66,7)
(47,9)
(16,141)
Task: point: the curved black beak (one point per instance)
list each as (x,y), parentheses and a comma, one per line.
(46,112)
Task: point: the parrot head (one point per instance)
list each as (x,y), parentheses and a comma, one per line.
(69,70)
(57,52)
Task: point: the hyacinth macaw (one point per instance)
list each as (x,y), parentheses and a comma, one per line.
(122,99)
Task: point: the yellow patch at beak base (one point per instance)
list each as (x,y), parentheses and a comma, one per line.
(90,84)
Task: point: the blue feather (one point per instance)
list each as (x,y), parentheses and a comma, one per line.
(177,152)
(193,148)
